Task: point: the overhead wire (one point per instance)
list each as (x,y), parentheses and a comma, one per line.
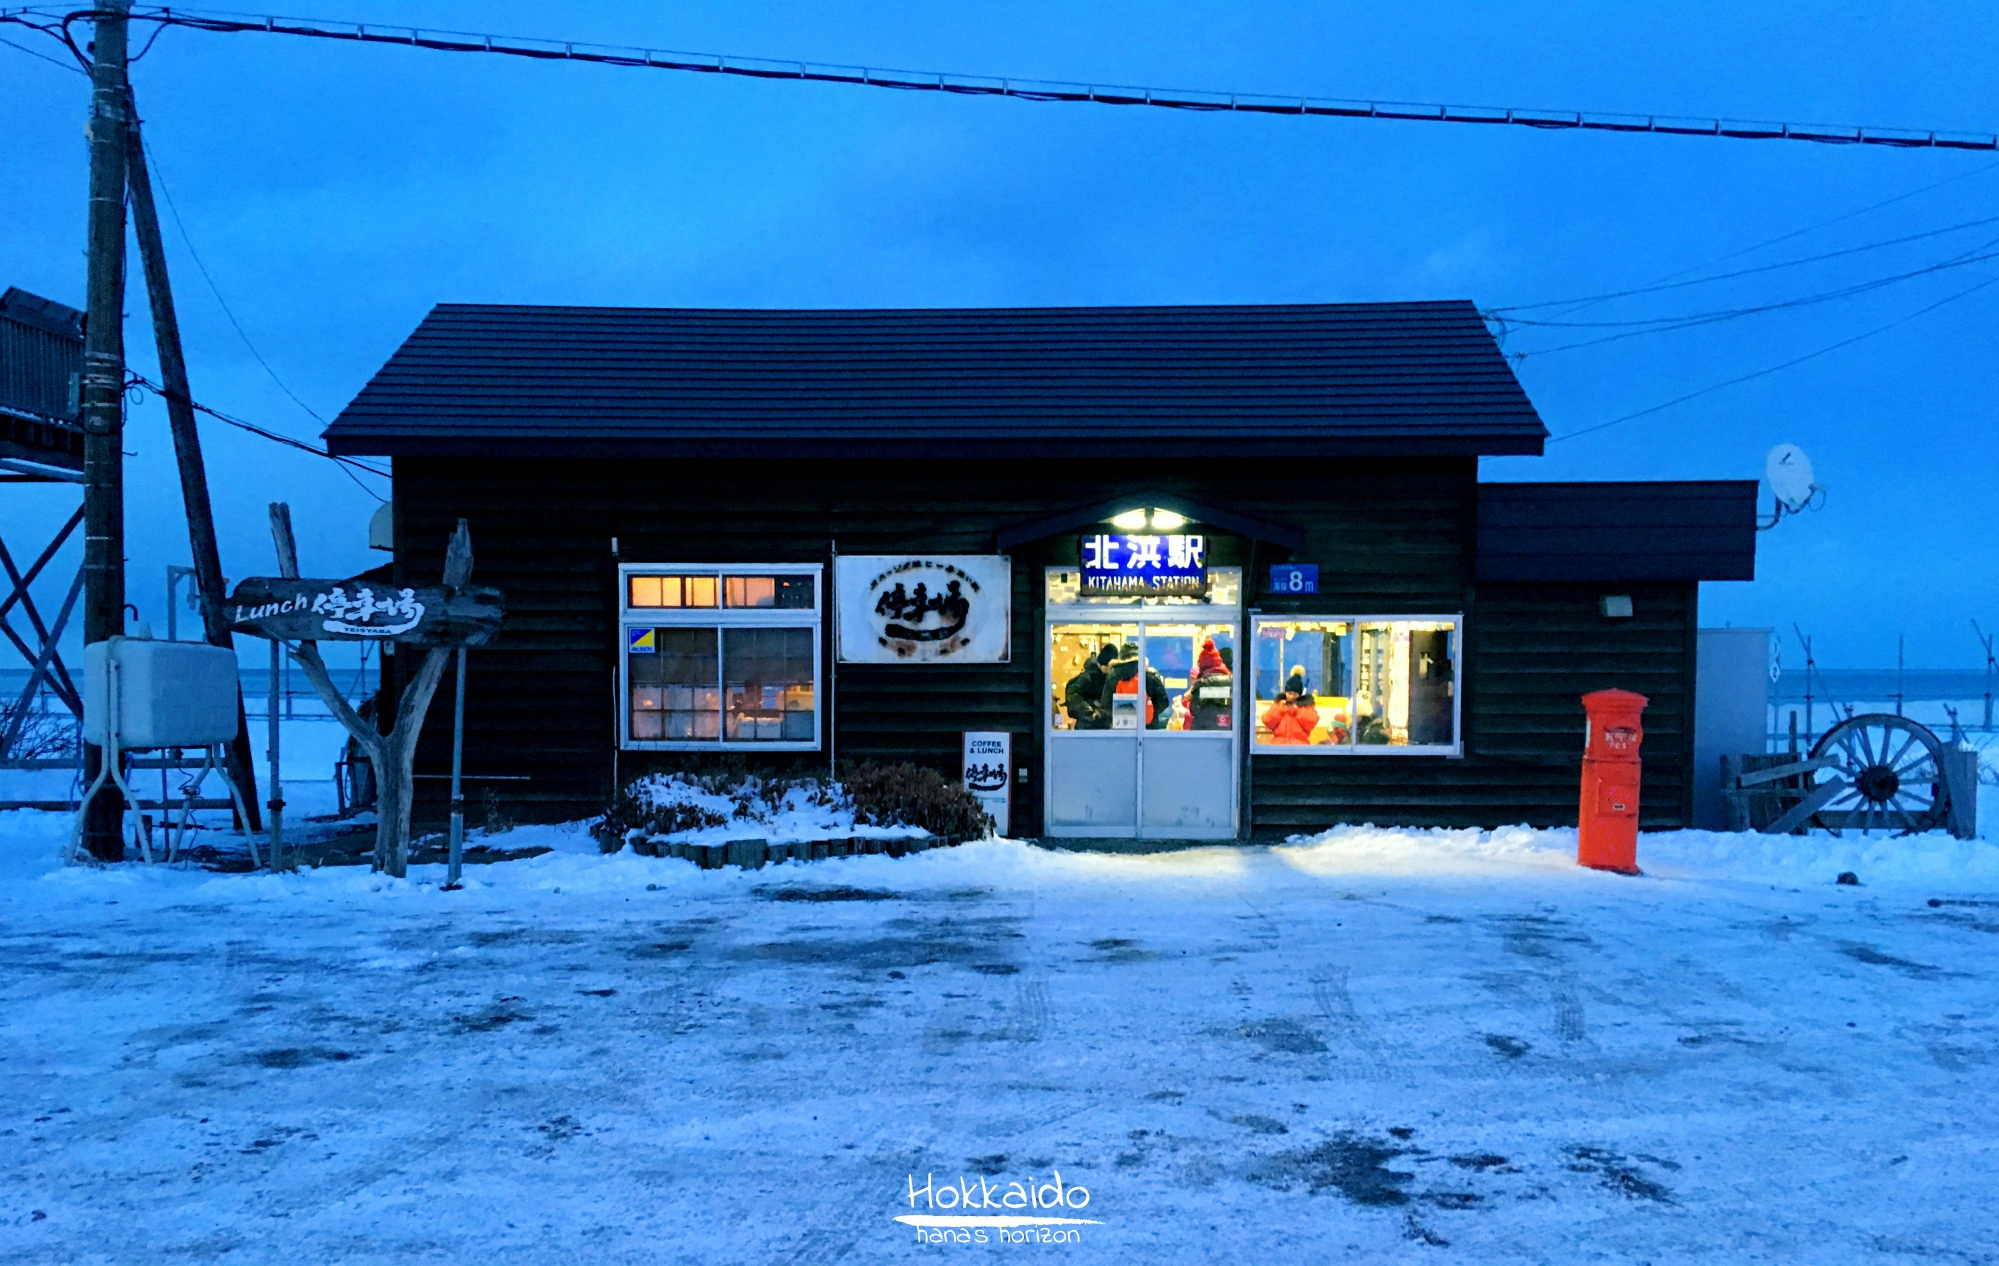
(278,437)
(53,61)
(1972,256)
(1764,373)
(160,177)
(1809,228)
(1671,325)
(1040,90)
(1587,300)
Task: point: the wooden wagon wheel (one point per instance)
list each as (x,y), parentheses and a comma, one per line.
(1893,771)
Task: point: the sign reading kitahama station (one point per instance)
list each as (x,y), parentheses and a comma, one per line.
(944,608)
(364,611)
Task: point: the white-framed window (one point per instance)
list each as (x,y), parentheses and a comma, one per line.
(719,657)
(1357,684)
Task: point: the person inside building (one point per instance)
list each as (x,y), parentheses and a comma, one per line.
(1087,696)
(1211,692)
(1295,714)
(1123,674)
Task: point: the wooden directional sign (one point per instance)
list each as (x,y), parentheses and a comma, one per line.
(364,611)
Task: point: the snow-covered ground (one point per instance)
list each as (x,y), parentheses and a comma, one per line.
(1371,1046)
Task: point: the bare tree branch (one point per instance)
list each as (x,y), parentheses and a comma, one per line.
(316,672)
(281,536)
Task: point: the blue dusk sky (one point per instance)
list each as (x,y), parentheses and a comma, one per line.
(335,192)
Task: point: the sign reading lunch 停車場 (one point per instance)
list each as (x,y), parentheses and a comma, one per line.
(299,610)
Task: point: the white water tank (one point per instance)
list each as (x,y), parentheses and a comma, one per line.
(170,694)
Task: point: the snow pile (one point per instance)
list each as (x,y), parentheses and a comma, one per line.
(1930,860)
(1408,851)
(694,809)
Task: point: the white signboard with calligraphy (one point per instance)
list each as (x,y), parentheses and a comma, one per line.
(924,608)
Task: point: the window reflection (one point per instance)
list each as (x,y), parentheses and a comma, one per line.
(768,684)
(670,592)
(1195,664)
(675,693)
(1344,684)
(1301,683)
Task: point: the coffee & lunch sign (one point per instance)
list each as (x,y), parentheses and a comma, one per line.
(924,609)
(297,610)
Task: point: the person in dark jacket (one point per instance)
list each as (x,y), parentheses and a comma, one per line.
(1123,676)
(1211,694)
(1087,696)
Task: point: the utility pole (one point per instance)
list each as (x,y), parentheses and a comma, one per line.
(104,390)
(187,446)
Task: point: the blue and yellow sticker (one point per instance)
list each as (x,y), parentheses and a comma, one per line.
(640,641)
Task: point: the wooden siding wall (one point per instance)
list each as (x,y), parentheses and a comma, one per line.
(1388,536)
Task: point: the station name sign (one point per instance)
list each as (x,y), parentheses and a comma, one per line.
(297,610)
(1154,566)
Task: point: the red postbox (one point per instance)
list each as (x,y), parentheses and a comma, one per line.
(1607,825)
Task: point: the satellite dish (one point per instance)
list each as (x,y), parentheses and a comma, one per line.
(1790,474)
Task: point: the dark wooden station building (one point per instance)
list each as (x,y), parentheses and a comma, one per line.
(1218,572)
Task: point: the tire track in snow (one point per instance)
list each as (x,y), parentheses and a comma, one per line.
(1354,1054)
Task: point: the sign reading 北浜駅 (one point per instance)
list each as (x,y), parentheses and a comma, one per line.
(300,610)
(924,609)
(1154,566)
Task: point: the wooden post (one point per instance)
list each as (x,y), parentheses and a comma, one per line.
(457,862)
(277,782)
(103,391)
(187,448)
(393,754)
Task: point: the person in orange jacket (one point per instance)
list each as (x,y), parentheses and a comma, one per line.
(1295,714)
(1123,679)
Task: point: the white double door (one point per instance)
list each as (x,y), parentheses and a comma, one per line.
(1143,744)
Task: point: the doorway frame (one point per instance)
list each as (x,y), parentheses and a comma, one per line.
(1136,616)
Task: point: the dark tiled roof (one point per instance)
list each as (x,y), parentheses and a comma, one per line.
(1388,378)
(1694,530)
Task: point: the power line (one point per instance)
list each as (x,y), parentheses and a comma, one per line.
(1667,325)
(160,177)
(278,437)
(56,62)
(1589,300)
(1762,373)
(1030,89)
(1811,228)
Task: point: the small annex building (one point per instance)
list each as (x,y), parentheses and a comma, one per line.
(1218,572)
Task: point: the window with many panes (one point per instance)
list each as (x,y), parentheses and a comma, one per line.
(1356,684)
(719,657)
